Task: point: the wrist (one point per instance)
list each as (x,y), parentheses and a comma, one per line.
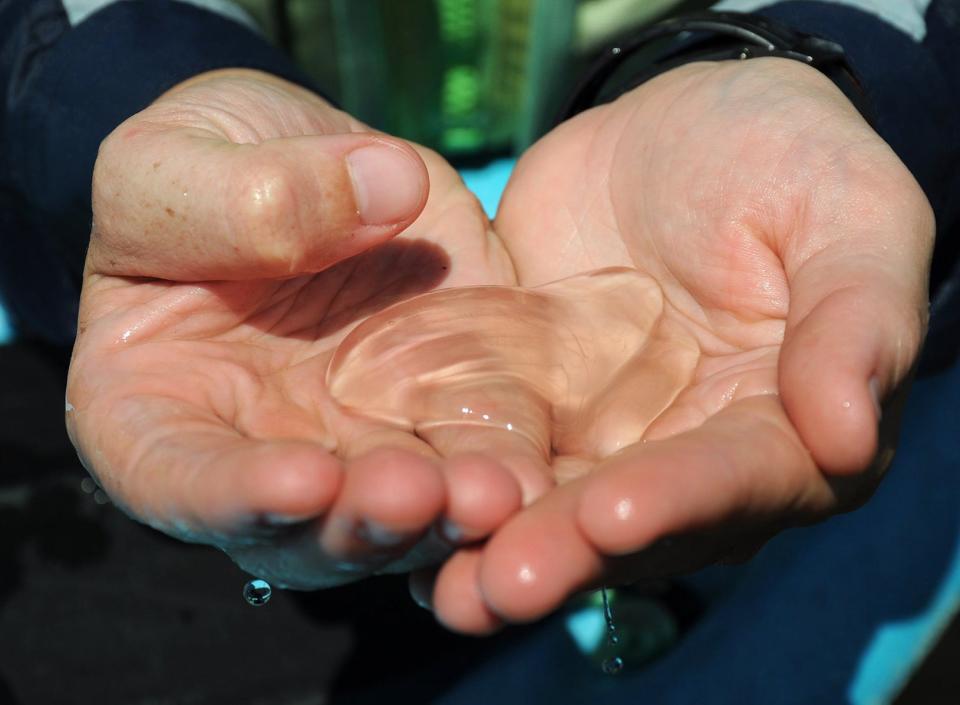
(710,37)
(770,86)
(228,74)
(776,78)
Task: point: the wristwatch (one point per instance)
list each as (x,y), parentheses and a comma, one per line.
(712,36)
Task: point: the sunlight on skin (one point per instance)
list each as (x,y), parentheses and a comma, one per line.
(234,250)
(230,255)
(580,366)
(793,246)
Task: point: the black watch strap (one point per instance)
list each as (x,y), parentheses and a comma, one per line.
(714,36)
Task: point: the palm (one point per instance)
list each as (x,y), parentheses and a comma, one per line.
(236,381)
(264,345)
(627,190)
(791,246)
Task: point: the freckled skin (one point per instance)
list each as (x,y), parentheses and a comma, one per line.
(197,378)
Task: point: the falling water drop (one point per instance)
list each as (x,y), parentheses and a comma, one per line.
(612,666)
(612,636)
(257,592)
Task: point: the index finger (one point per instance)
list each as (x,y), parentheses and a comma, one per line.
(744,465)
(184,471)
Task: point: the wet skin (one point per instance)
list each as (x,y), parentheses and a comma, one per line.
(570,372)
(788,242)
(228,258)
(793,246)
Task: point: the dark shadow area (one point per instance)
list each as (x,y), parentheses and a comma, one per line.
(39,505)
(54,522)
(939,675)
(400,653)
(793,626)
(33,442)
(97,608)
(355,288)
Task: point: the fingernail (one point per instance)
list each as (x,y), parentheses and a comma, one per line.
(274,519)
(874,385)
(387,183)
(420,592)
(378,534)
(451,532)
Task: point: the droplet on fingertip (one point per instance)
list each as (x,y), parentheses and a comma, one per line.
(378,534)
(526,575)
(623,509)
(282,520)
(451,532)
(420,600)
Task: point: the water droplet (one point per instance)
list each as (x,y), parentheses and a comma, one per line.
(608,616)
(100,497)
(613,666)
(257,592)
(526,574)
(450,360)
(88,485)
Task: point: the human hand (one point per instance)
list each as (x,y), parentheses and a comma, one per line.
(794,246)
(230,253)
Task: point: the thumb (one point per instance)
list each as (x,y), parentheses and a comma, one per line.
(186,205)
(858,315)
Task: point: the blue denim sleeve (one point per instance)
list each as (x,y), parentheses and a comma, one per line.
(907,56)
(66,80)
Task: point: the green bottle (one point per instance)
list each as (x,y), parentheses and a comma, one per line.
(465,77)
(461,76)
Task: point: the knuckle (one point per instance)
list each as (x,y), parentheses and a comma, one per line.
(111,186)
(104,170)
(114,151)
(262,209)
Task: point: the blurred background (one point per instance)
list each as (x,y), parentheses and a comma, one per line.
(470,78)
(95,608)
